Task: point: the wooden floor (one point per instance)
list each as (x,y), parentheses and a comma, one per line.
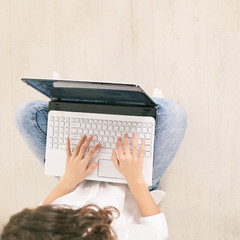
(188,48)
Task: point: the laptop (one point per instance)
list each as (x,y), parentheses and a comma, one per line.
(105,110)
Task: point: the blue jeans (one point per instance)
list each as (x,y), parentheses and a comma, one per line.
(171,121)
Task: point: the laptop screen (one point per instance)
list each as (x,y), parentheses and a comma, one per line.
(90,91)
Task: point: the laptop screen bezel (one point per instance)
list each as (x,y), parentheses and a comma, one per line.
(116,86)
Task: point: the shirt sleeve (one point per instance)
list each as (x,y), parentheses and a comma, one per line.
(157,223)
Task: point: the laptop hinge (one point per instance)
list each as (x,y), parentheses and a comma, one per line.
(102,108)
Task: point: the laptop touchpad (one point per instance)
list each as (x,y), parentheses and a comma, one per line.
(107,169)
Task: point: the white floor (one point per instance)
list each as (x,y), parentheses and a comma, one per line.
(189,49)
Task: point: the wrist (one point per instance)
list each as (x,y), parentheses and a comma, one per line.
(65,185)
(138,181)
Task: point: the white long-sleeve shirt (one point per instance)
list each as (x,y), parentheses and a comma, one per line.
(130,224)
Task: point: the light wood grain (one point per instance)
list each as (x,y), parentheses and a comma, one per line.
(188,48)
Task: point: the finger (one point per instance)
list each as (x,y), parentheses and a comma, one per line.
(135,145)
(119,148)
(142,150)
(90,168)
(114,159)
(77,148)
(92,152)
(68,150)
(126,144)
(84,147)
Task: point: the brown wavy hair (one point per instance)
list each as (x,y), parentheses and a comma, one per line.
(51,222)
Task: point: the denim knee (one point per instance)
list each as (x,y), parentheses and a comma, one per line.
(173,112)
(25,111)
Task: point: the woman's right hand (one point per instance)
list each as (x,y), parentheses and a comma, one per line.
(129,163)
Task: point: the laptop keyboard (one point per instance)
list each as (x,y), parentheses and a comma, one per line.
(106,131)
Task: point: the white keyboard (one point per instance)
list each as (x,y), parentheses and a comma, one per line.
(105,128)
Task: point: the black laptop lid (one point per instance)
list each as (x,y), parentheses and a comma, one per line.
(90,91)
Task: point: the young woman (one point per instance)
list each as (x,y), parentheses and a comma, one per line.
(81,209)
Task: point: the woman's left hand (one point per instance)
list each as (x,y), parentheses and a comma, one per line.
(77,165)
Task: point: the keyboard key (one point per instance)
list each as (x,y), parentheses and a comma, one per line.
(122,128)
(112,133)
(147,148)
(74,141)
(148,142)
(73,130)
(148,136)
(66,135)
(111,139)
(139,129)
(148,154)
(141,135)
(75,125)
(108,145)
(118,134)
(91,132)
(106,150)
(76,136)
(85,131)
(62,147)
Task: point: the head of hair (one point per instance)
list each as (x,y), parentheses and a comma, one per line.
(51,222)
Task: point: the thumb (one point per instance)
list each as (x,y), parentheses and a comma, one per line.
(90,168)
